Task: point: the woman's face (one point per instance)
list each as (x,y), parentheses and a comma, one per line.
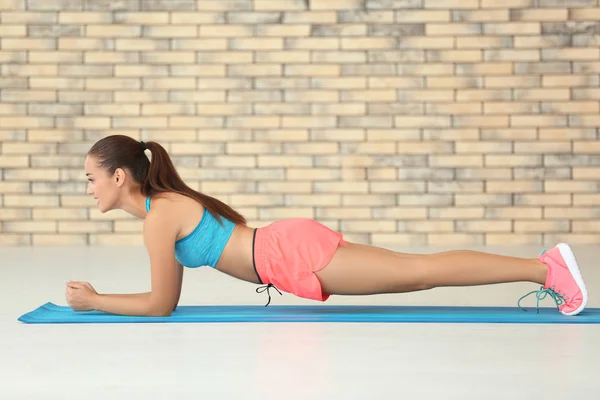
(101,185)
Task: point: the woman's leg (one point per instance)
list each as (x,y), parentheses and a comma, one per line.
(358,269)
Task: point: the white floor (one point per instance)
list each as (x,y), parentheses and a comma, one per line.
(280,361)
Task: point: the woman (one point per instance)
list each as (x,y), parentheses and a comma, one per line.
(183,227)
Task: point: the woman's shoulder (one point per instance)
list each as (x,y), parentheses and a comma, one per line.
(173,201)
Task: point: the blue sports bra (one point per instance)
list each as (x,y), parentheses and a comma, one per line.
(205,244)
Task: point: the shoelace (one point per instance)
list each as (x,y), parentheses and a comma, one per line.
(541,294)
(261,289)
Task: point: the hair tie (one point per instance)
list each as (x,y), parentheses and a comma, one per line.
(143,145)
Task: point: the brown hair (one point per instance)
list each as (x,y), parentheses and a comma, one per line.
(158,176)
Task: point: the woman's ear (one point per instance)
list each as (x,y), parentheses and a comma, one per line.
(119,176)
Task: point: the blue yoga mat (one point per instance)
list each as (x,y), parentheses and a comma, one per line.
(50,313)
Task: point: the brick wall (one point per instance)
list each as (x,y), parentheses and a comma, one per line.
(395,121)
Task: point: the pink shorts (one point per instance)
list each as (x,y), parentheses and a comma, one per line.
(287,253)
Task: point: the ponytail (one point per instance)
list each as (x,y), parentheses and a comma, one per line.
(157,176)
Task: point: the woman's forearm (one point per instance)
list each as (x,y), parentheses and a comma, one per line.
(138,304)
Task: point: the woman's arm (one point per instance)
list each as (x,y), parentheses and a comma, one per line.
(160,232)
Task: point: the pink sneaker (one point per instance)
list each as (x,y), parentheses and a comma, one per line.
(564,279)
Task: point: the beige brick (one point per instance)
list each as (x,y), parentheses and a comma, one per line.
(284,187)
(367,226)
(544,41)
(229,30)
(14,214)
(311,96)
(571,107)
(28,226)
(278,135)
(512,239)
(28,44)
(179,31)
(542,14)
(249,70)
(18,17)
(585,173)
(542,147)
(512,28)
(267,161)
(455,160)
(197,44)
(282,5)
(408,15)
(312,70)
(312,43)
(287,57)
(561,186)
(41,239)
(113,30)
(538,120)
(30,200)
(569,80)
(513,186)
(141,97)
(87,17)
(455,213)
(584,14)
(374,135)
(513,160)
(457,56)
(281,30)
(532,213)
(542,199)
(336,5)
(312,174)
(395,239)
(161,109)
(541,94)
(113,239)
(275,213)
(573,213)
(542,226)
(256,199)
(459,4)
(15,187)
(314,200)
(482,95)
(455,239)
(483,226)
(368,200)
(13,30)
(443,29)
(506,3)
(339,109)
(505,107)
(32,174)
(578,199)
(15,239)
(84,226)
(587,53)
(483,147)
(228,161)
(484,173)
(310,17)
(128,226)
(482,199)
(583,120)
(185,122)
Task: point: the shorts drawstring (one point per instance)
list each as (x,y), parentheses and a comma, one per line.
(261,289)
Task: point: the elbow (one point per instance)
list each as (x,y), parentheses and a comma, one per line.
(160,310)
(159,313)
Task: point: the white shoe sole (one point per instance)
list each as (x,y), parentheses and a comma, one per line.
(569,257)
